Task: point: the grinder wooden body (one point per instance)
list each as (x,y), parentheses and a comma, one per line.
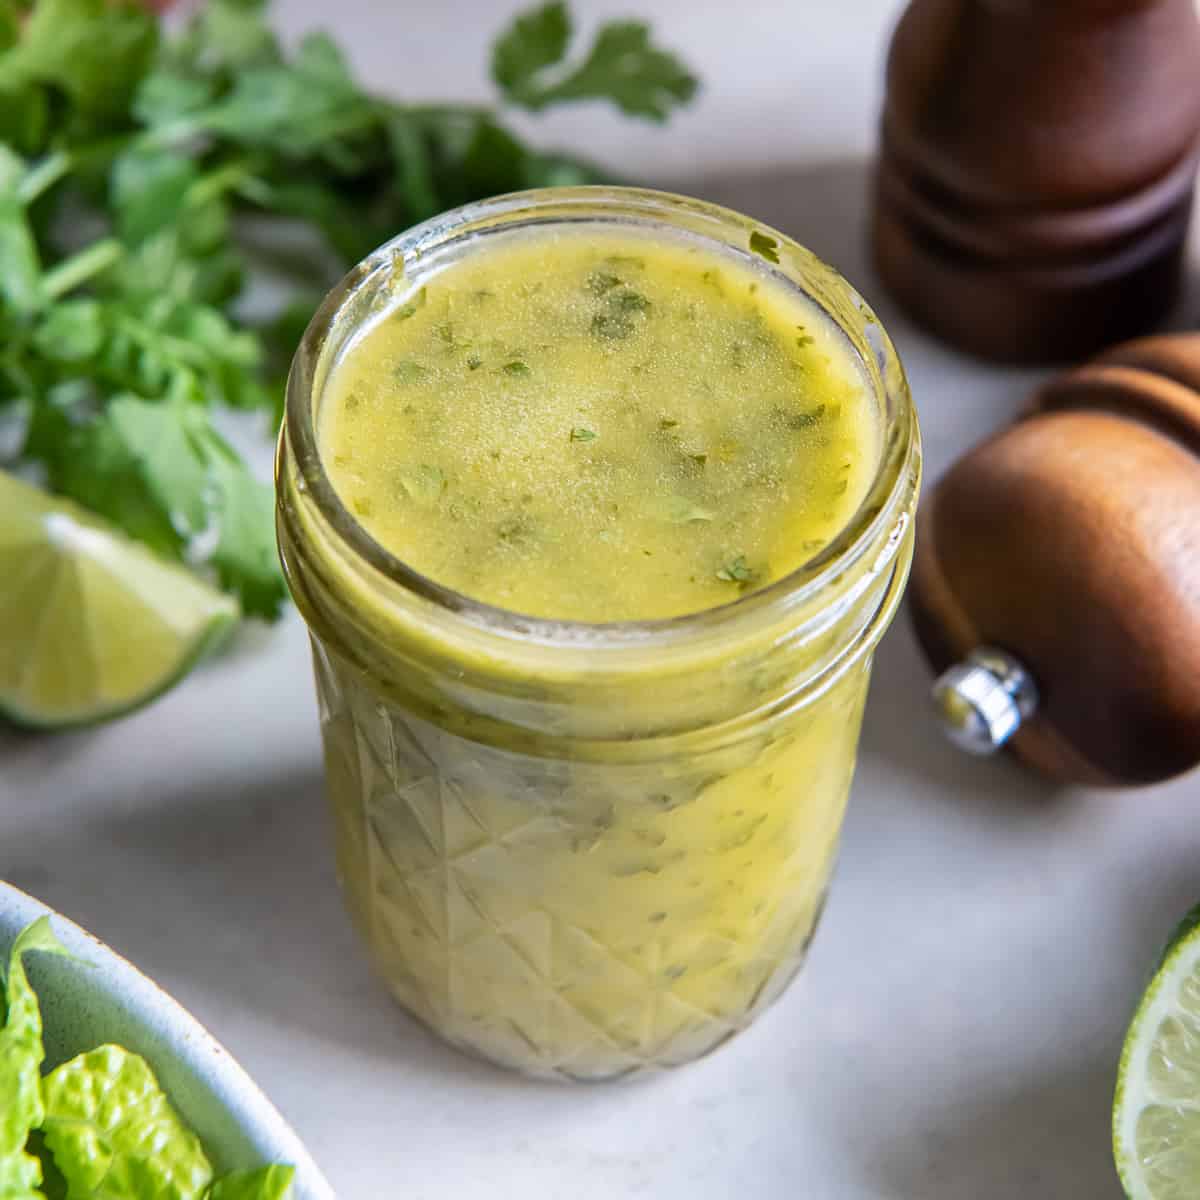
(1036,169)
(1072,541)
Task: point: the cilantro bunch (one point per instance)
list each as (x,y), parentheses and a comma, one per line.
(98,1125)
(130,161)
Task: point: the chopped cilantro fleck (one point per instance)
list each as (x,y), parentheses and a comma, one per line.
(408,371)
(515,530)
(599,282)
(807,419)
(474,362)
(422,483)
(516,367)
(611,326)
(615,320)
(737,570)
(627,300)
(764,246)
(582,434)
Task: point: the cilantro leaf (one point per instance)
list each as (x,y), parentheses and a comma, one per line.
(71,331)
(163,474)
(534,41)
(299,109)
(245,556)
(24,116)
(164,96)
(226,36)
(738,571)
(148,188)
(113,1133)
(9,26)
(20,269)
(764,246)
(92,52)
(263,1183)
(622,66)
(414,164)
(115,351)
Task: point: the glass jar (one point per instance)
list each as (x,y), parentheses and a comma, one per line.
(582,850)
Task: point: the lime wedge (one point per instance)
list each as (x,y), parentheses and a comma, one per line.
(1156,1113)
(91,623)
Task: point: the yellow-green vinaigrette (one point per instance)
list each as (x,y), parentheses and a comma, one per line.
(581,840)
(600,427)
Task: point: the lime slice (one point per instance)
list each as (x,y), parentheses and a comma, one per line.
(1156,1113)
(91,623)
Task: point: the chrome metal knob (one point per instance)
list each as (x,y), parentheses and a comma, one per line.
(983,701)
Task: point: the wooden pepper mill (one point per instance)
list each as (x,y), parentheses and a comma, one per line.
(1056,579)
(1036,169)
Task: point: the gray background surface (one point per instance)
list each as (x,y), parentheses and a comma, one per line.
(956,1032)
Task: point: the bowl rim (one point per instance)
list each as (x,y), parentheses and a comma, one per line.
(194,1049)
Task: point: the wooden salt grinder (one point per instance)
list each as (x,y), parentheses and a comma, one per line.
(1056,580)
(1036,169)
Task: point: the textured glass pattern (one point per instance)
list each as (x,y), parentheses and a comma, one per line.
(584,919)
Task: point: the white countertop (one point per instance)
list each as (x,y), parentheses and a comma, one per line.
(956,1030)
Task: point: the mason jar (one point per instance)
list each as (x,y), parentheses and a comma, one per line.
(585,850)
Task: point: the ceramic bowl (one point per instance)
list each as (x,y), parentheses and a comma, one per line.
(109,1000)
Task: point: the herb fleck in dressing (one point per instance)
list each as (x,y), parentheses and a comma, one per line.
(601,428)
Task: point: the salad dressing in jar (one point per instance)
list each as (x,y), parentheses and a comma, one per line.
(596,502)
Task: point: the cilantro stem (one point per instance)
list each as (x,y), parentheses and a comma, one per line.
(44,176)
(81,267)
(154,339)
(166,136)
(229,177)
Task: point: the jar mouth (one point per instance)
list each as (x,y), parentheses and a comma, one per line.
(880,518)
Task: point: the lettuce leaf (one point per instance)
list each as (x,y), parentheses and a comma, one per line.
(115,1136)
(21,1055)
(263,1183)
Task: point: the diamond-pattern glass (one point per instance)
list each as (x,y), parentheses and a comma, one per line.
(583,919)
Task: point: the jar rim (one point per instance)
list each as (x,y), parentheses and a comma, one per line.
(872,523)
